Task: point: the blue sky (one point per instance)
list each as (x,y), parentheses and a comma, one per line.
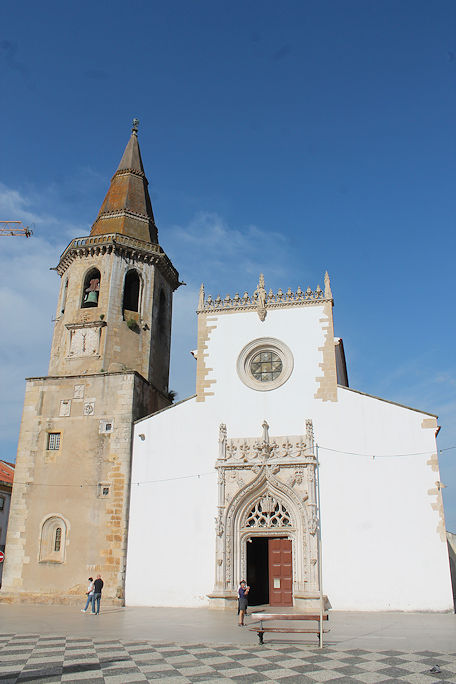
(287,138)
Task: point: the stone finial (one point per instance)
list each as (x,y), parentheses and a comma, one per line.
(309,433)
(268,504)
(201,297)
(222,441)
(134,128)
(265,427)
(260,294)
(328,293)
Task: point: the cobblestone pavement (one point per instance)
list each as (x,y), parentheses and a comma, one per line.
(48,658)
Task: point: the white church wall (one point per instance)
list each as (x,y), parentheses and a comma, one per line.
(382,530)
(382,519)
(170,560)
(301,331)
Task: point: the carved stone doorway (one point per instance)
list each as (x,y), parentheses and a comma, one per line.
(266,490)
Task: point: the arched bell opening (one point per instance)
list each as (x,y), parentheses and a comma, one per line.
(131,293)
(91,289)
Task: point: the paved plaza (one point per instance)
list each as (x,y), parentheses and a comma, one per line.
(61,644)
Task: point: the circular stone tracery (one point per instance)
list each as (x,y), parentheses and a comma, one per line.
(266,366)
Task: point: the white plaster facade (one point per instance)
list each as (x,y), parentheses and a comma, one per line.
(382,522)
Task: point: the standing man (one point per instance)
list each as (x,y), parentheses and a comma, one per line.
(242,601)
(97,588)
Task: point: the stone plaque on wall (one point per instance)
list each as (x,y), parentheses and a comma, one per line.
(85,339)
(78,392)
(89,408)
(65,407)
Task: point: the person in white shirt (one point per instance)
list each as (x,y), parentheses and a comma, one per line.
(90,593)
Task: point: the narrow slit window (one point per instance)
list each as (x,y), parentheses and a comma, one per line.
(162,314)
(58,539)
(64,297)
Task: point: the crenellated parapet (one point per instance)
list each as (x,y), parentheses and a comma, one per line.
(261,300)
(122,245)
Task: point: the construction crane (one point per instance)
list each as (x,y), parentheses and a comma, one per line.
(14,228)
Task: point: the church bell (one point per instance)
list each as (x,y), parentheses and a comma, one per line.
(91,299)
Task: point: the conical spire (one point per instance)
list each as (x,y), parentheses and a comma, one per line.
(127,208)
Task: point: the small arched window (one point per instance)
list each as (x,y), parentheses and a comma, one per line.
(91,288)
(53,539)
(131,291)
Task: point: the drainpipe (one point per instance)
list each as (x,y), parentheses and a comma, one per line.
(320,573)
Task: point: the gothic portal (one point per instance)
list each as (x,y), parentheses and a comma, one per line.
(267,490)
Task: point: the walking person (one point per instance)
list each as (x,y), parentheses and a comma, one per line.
(90,592)
(97,588)
(242,601)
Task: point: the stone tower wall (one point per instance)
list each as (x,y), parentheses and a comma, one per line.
(95,427)
(110,344)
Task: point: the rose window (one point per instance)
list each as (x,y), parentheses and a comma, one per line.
(266,366)
(268,513)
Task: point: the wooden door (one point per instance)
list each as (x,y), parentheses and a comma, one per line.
(280,572)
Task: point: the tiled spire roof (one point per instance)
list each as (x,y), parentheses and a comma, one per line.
(127,208)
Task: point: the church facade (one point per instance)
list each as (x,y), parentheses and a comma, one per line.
(273,449)
(275,470)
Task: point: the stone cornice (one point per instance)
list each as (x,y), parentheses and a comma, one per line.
(135,172)
(121,245)
(123,212)
(85,324)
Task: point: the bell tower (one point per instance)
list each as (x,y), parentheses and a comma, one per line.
(115,302)
(109,366)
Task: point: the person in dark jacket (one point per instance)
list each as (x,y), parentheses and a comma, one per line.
(97,589)
(242,601)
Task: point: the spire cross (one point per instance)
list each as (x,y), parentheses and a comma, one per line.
(134,128)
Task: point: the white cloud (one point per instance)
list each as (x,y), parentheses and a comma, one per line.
(27,303)
(28,300)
